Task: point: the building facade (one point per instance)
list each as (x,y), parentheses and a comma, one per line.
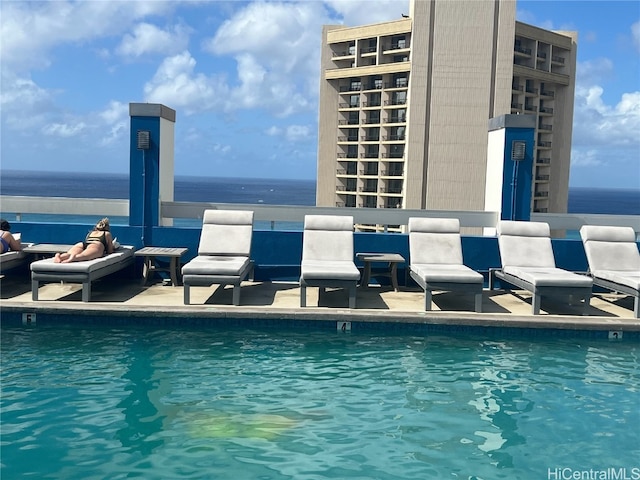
(404,106)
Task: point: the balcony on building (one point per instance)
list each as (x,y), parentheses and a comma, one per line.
(546,127)
(400,83)
(547,93)
(371,103)
(530,90)
(530,108)
(343,50)
(397,117)
(396,44)
(546,110)
(543,160)
(542,178)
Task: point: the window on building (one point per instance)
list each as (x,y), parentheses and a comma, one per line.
(354,101)
(373,134)
(399,98)
(375,99)
(354,118)
(400,82)
(372,151)
(398,41)
(396,151)
(355,85)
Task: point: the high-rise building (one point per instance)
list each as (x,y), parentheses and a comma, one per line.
(404,106)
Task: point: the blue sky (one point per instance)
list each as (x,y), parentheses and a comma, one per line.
(243,78)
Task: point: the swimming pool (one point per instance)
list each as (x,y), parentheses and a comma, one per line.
(109,403)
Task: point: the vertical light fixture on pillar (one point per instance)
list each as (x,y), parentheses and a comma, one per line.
(518,152)
(144,143)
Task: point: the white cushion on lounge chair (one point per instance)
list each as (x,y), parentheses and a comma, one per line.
(622,277)
(614,259)
(327,255)
(528,263)
(435,248)
(224,252)
(548,277)
(439,272)
(339,270)
(215,264)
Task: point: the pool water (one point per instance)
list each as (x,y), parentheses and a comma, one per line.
(109,403)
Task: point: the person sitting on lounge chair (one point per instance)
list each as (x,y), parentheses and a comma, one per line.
(7,241)
(97,243)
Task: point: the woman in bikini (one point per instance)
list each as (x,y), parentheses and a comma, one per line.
(7,241)
(97,243)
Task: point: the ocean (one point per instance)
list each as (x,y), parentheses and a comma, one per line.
(255,190)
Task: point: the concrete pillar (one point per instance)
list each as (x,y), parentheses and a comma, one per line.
(510,150)
(151,164)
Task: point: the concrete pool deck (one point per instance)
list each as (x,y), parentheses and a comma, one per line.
(275,300)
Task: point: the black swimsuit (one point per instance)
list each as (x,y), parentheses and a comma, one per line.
(91,239)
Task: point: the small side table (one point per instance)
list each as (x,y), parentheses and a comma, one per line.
(150,255)
(391,259)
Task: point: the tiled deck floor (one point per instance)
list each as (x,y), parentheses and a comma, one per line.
(282,300)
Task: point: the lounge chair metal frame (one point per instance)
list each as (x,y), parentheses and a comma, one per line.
(223,253)
(538,260)
(613,252)
(45,271)
(436,243)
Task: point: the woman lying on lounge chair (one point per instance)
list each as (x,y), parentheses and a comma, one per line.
(97,243)
(7,241)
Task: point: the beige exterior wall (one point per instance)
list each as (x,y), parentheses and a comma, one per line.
(462,68)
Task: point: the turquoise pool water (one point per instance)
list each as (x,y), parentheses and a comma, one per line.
(110,403)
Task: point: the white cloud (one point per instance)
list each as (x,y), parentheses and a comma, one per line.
(273,131)
(64,129)
(29,31)
(115,112)
(362,12)
(594,72)
(219,148)
(148,38)
(175,83)
(276,47)
(298,133)
(598,123)
(585,158)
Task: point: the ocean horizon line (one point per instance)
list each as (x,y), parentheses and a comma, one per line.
(224,177)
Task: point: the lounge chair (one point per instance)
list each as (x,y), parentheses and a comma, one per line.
(224,252)
(12,258)
(327,256)
(79,272)
(436,262)
(528,263)
(614,260)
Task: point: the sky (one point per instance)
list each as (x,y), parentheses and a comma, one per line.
(243,77)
